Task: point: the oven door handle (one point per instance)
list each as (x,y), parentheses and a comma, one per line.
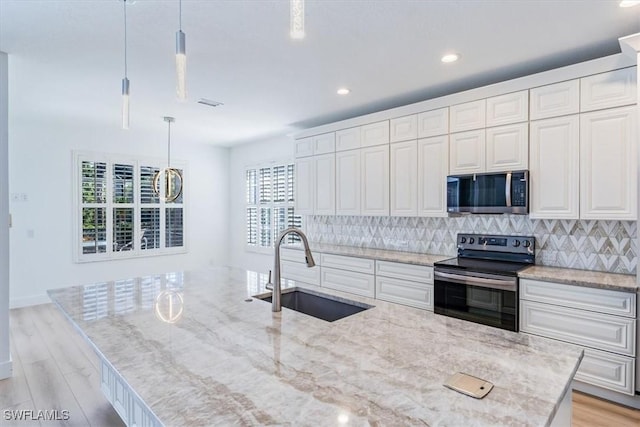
(477,281)
(507,190)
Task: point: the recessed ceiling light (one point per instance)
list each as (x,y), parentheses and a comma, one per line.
(629,3)
(343,91)
(450,57)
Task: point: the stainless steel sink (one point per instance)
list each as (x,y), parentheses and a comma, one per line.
(316,304)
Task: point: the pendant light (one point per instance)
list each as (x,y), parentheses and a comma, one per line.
(125,80)
(296,13)
(181,60)
(172,176)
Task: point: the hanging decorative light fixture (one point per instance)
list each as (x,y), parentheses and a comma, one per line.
(172,176)
(296,12)
(181,60)
(125,80)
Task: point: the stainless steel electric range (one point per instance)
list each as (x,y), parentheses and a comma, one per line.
(481,284)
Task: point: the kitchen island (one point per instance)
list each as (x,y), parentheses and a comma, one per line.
(194,348)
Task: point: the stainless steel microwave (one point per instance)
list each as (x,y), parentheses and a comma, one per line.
(489,193)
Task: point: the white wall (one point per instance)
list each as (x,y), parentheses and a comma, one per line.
(40,166)
(5,354)
(272,149)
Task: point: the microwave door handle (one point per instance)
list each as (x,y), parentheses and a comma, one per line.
(507,190)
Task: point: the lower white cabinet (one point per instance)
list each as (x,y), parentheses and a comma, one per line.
(348,281)
(406,284)
(299,271)
(607,370)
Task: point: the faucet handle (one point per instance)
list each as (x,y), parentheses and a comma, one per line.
(269,285)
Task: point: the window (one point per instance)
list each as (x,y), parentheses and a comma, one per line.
(270,207)
(118,212)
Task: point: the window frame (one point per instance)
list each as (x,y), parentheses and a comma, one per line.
(137,162)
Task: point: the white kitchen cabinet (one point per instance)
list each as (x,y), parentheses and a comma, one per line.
(554,165)
(608,164)
(433,123)
(507,148)
(607,90)
(402,271)
(299,272)
(305,185)
(323,144)
(433,167)
(467,152)
(374,173)
(555,100)
(403,128)
(303,147)
(406,284)
(348,182)
(325,184)
(348,274)
(374,134)
(467,116)
(350,263)
(507,109)
(348,139)
(404,178)
(607,370)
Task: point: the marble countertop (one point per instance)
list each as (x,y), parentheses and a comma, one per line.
(227,359)
(592,279)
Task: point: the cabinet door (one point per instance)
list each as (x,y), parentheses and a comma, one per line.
(606,90)
(507,148)
(433,166)
(374,134)
(305,186)
(433,123)
(608,370)
(404,128)
(325,180)
(554,100)
(509,108)
(374,172)
(303,147)
(404,292)
(404,178)
(325,143)
(608,164)
(348,182)
(348,139)
(348,281)
(468,116)
(554,167)
(467,152)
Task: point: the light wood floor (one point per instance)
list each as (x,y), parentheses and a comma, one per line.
(54,368)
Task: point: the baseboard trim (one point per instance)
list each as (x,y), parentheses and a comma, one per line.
(620,398)
(6,369)
(29,301)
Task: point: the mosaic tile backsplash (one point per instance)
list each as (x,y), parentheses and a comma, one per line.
(587,245)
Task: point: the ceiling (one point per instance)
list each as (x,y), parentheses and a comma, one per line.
(68,57)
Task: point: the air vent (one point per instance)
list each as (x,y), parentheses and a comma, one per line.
(209,102)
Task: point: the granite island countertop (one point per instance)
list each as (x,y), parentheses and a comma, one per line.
(229,360)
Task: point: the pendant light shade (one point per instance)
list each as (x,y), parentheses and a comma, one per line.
(125,80)
(181,60)
(296,12)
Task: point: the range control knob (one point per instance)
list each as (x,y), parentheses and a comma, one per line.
(527,243)
(463,240)
(472,240)
(516,243)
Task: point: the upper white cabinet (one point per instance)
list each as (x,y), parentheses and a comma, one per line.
(404,173)
(348,139)
(348,182)
(303,147)
(554,100)
(507,109)
(468,116)
(374,172)
(554,167)
(507,148)
(404,128)
(433,167)
(325,184)
(433,123)
(325,143)
(374,134)
(305,185)
(608,164)
(467,152)
(606,90)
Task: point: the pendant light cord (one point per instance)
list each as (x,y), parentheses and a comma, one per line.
(124,3)
(169,146)
(180,14)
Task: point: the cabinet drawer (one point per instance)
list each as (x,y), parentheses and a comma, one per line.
(606,90)
(404,128)
(348,281)
(348,139)
(297,255)
(555,100)
(325,143)
(607,370)
(433,123)
(507,109)
(374,134)
(300,272)
(592,299)
(362,265)
(599,331)
(468,116)
(398,270)
(414,294)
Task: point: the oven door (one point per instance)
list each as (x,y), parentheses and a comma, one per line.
(490,299)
